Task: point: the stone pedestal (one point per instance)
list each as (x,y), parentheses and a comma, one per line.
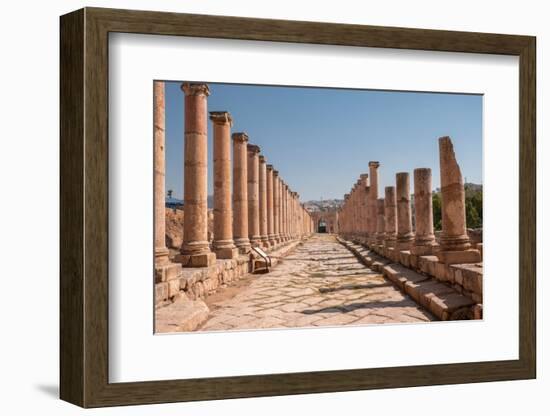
(405,235)
(424,240)
(454,240)
(240,192)
(195,250)
(254,195)
(223,244)
(390,213)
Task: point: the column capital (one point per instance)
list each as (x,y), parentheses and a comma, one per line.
(364,176)
(269,167)
(262,159)
(252,148)
(240,137)
(221,117)
(190,88)
(275,172)
(374,164)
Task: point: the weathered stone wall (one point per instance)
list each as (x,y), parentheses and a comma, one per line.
(174,227)
(330,217)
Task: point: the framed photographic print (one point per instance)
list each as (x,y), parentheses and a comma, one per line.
(255,207)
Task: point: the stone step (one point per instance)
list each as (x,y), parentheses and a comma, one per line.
(437,297)
(181,316)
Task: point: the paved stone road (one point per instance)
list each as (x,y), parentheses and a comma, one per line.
(320,284)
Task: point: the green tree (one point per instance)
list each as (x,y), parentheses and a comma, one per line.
(436,202)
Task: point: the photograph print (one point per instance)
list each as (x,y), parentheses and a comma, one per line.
(284,207)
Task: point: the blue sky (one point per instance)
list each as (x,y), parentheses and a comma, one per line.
(321,139)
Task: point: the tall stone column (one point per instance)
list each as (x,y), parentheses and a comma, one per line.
(161,251)
(381,221)
(454,241)
(390,216)
(240,192)
(405,235)
(276,206)
(373,197)
(254,195)
(424,239)
(164,268)
(263,202)
(195,250)
(363,203)
(286,212)
(270,206)
(223,244)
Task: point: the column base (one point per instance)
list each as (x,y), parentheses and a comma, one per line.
(457,257)
(403,245)
(424,250)
(167,271)
(196,260)
(227,253)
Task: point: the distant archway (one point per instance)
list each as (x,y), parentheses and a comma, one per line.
(322,226)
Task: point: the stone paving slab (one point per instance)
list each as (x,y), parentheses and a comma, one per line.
(321,283)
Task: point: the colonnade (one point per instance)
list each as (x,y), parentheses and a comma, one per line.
(386,220)
(253,205)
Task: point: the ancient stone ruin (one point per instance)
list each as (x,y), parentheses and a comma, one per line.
(443,274)
(390,231)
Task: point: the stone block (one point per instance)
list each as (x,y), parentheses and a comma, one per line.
(441,271)
(479,247)
(181,316)
(405,258)
(450,306)
(196,260)
(413,259)
(167,272)
(173,287)
(424,291)
(227,254)
(426,250)
(456,257)
(161,292)
(426,264)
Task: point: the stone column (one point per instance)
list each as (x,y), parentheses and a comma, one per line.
(270,206)
(164,268)
(286,212)
(223,244)
(424,239)
(263,202)
(373,197)
(276,206)
(161,252)
(381,221)
(405,234)
(363,203)
(240,192)
(454,241)
(195,250)
(254,195)
(390,216)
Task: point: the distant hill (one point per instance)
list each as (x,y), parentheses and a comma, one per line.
(323,205)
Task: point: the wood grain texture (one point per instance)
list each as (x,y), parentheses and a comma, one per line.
(84,206)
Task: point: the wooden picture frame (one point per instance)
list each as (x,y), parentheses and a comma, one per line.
(84,207)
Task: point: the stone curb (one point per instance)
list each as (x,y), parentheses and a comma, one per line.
(439,298)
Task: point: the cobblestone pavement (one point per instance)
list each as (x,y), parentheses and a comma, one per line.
(321,283)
